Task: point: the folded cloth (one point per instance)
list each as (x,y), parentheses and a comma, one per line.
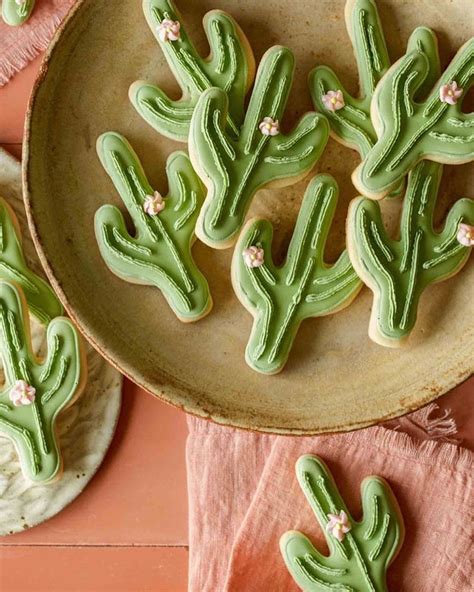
(243,495)
(20,45)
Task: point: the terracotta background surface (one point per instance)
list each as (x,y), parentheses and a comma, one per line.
(128,531)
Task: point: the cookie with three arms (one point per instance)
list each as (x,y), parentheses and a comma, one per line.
(42,301)
(160,252)
(359,552)
(234,168)
(230,66)
(409,130)
(16,12)
(398,271)
(35,392)
(280,298)
(349,116)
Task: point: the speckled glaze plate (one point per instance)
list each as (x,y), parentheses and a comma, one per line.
(336,379)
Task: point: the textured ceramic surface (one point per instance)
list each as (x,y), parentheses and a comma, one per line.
(336,378)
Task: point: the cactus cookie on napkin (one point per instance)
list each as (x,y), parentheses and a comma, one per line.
(359,551)
(35,392)
(16,12)
(234,168)
(230,66)
(160,252)
(280,298)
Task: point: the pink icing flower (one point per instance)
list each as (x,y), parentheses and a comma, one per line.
(254,256)
(333,100)
(22,393)
(154,204)
(169,30)
(450,93)
(338,525)
(466,235)
(269,127)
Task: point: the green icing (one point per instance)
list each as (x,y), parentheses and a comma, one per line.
(399,271)
(230,67)
(235,168)
(58,381)
(280,298)
(41,299)
(409,131)
(160,252)
(358,563)
(16,14)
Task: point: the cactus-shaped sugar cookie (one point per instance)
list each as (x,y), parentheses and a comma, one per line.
(280,298)
(160,253)
(359,552)
(398,271)
(409,131)
(349,116)
(36,392)
(16,12)
(230,66)
(233,169)
(41,299)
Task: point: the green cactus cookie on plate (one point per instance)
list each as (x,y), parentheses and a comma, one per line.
(160,252)
(230,66)
(280,298)
(235,168)
(16,12)
(359,551)
(35,392)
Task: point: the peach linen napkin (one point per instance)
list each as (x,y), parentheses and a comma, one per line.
(243,494)
(20,45)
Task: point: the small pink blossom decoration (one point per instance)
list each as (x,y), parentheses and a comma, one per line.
(466,235)
(254,257)
(269,127)
(169,30)
(22,393)
(334,100)
(450,93)
(338,525)
(154,204)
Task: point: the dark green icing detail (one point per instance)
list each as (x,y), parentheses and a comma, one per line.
(160,252)
(235,168)
(409,131)
(16,14)
(280,298)
(229,67)
(398,271)
(40,297)
(58,381)
(358,563)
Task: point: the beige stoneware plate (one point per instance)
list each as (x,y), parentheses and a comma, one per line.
(336,379)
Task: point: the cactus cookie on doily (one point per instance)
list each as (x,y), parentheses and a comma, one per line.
(36,392)
(234,168)
(409,130)
(398,271)
(280,298)
(230,66)
(359,551)
(16,12)
(160,252)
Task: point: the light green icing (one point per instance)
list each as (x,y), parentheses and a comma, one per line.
(235,168)
(280,298)
(160,252)
(41,299)
(57,381)
(399,271)
(358,563)
(16,14)
(230,67)
(408,130)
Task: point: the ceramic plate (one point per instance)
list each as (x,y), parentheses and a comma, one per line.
(336,379)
